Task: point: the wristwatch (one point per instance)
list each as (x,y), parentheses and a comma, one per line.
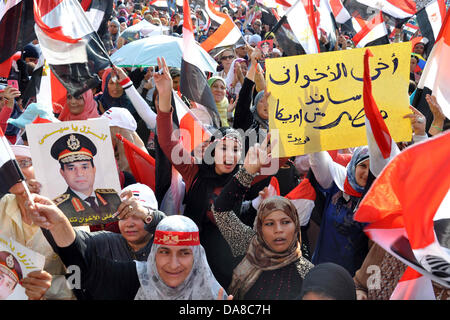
(149,216)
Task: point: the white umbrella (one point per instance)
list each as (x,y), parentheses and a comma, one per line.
(143,53)
(143,29)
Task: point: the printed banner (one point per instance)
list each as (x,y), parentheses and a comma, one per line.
(74,161)
(16,261)
(316,100)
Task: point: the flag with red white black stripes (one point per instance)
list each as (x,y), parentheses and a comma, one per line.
(10,173)
(70,44)
(193,83)
(407,208)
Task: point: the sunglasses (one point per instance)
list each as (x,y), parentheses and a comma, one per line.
(227,57)
(76,98)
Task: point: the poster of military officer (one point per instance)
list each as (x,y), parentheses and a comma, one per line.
(74,161)
(16,261)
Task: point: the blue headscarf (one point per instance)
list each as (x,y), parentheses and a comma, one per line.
(122,102)
(360,154)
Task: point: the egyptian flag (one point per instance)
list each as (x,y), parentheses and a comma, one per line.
(45,88)
(273,189)
(302,21)
(193,84)
(303,197)
(407,208)
(434,80)
(326,22)
(5,67)
(192,131)
(370,33)
(99,13)
(10,173)
(399,9)
(16,26)
(286,38)
(382,147)
(142,164)
(339,11)
(430,21)
(70,44)
(227,33)
(413,286)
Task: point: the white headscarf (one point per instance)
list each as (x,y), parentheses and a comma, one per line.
(200,284)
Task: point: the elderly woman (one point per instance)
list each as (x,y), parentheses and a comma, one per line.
(16,223)
(176,268)
(273,266)
(219,91)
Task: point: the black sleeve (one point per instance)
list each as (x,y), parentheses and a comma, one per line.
(243,117)
(231,195)
(157,217)
(247,213)
(102,278)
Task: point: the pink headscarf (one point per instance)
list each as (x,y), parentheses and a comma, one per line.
(90,109)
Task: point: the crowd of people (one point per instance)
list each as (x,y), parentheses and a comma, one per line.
(234,239)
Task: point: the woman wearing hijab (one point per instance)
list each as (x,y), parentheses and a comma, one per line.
(118,91)
(219,92)
(79,108)
(203,180)
(328,281)
(176,250)
(341,240)
(273,267)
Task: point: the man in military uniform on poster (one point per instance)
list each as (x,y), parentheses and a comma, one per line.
(10,274)
(75,154)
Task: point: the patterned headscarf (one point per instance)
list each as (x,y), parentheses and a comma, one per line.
(259,256)
(200,284)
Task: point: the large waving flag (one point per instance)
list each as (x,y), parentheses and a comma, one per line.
(193,84)
(339,11)
(10,173)
(227,33)
(45,88)
(382,147)
(70,44)
(430,20)
(407,208)
(370,33)
(16,26)
(433,77)
(302,21)
(400,9)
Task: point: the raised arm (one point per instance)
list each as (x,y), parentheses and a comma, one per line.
(142,108)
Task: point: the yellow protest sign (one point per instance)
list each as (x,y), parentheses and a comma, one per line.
(316,100)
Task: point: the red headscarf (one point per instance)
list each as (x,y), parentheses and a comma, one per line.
(90,109)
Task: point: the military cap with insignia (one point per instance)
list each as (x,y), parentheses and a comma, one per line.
(73,147)
(10,266)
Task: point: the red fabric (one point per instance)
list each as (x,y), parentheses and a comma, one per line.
(342,158)
(349,189)
(379,129)
(43,7)
(175,238)
(5,114)
(304,190)
(409,191)
(142,164)
(90,109)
